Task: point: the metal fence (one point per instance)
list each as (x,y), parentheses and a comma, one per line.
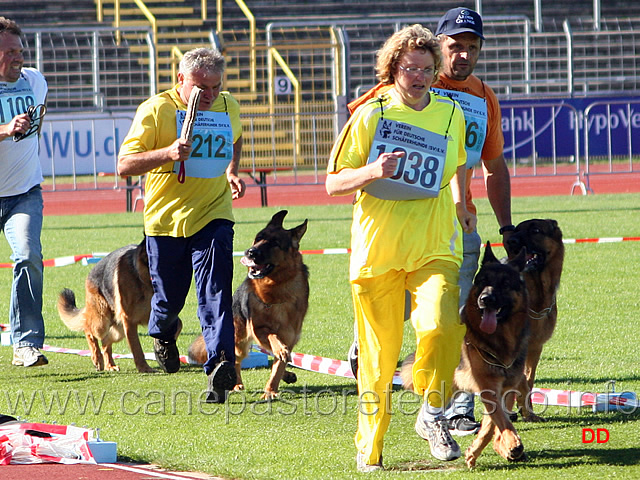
(311,69)
(542,139)
(96,68)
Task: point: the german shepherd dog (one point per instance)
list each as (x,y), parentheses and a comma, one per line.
(493,352)
(545,255)
(270,304)
(118,300)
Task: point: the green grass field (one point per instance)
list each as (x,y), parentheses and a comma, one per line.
(161,419)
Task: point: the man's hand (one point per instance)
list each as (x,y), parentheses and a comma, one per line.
(18,124)
(238,187)
(179,150)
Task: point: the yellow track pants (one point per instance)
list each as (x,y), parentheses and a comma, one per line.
(379,305)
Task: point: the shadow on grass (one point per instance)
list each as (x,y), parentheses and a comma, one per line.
(577,211)
(536,459)
(602,382)
(571,457)
(119,226)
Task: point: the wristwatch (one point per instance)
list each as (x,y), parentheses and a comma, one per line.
(506,228)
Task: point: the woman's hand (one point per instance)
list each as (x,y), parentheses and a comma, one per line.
(467,220)
(386,164)
(350,180)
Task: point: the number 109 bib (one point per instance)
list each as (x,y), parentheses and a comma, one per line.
(419,171)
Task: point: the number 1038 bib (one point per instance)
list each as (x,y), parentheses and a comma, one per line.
(212,146)
(419,171)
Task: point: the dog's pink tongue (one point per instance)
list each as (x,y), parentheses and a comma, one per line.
(489,321)
(247,262)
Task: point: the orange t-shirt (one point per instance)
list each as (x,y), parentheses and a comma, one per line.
(494,141)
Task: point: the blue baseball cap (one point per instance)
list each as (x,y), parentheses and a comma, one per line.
(459,20)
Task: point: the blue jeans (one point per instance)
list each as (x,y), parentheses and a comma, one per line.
(207,256)
(462,402)
(21,221)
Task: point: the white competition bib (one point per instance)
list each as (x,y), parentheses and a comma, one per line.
(15,99)
(212,148)
(475,115)
(419,172)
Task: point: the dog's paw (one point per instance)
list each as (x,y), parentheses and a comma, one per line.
(508,445)
(112,368)
(239,387)
(146,369)
(269,395)
(289,377)
(470,458)
(283,354)
(533,418)
(518,456)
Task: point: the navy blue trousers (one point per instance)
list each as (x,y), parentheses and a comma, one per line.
(208,257)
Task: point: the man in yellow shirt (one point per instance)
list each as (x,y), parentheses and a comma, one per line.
(188,217)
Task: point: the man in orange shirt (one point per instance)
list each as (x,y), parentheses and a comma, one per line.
(461,37)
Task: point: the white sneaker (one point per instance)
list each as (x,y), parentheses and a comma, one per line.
(442,445)
(365,467)
(28,357)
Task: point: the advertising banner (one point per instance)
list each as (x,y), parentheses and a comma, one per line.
(562,126)
(82,144)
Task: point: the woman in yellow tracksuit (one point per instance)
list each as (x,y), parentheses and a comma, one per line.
(403,156)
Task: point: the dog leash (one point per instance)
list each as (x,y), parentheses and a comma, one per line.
(499,364)
(35,113)
(542,314)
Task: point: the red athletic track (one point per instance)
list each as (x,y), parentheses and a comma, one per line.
(114,201)
(54,471)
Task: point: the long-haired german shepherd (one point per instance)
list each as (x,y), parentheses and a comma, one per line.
(493,352)
(545,256)
(270,304)
(118,299)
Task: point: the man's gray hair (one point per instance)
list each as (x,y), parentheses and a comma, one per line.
(208,59)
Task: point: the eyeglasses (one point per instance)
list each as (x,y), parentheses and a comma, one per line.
(415,70)
(36,113)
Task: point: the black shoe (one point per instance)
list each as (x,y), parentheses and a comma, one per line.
(462,425)
(220,382)
(167,355)
(352,356)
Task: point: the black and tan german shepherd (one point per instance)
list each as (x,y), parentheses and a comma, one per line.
(542,240)
(118,300)
(493,352)
(271,303)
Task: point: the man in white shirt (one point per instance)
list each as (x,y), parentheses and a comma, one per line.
(23,93)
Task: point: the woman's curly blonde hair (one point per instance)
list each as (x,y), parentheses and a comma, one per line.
(413,37)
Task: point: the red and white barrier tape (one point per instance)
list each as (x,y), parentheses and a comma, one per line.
(70,260)
(56,262)
(87,353)
(341,368)
(542,396)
